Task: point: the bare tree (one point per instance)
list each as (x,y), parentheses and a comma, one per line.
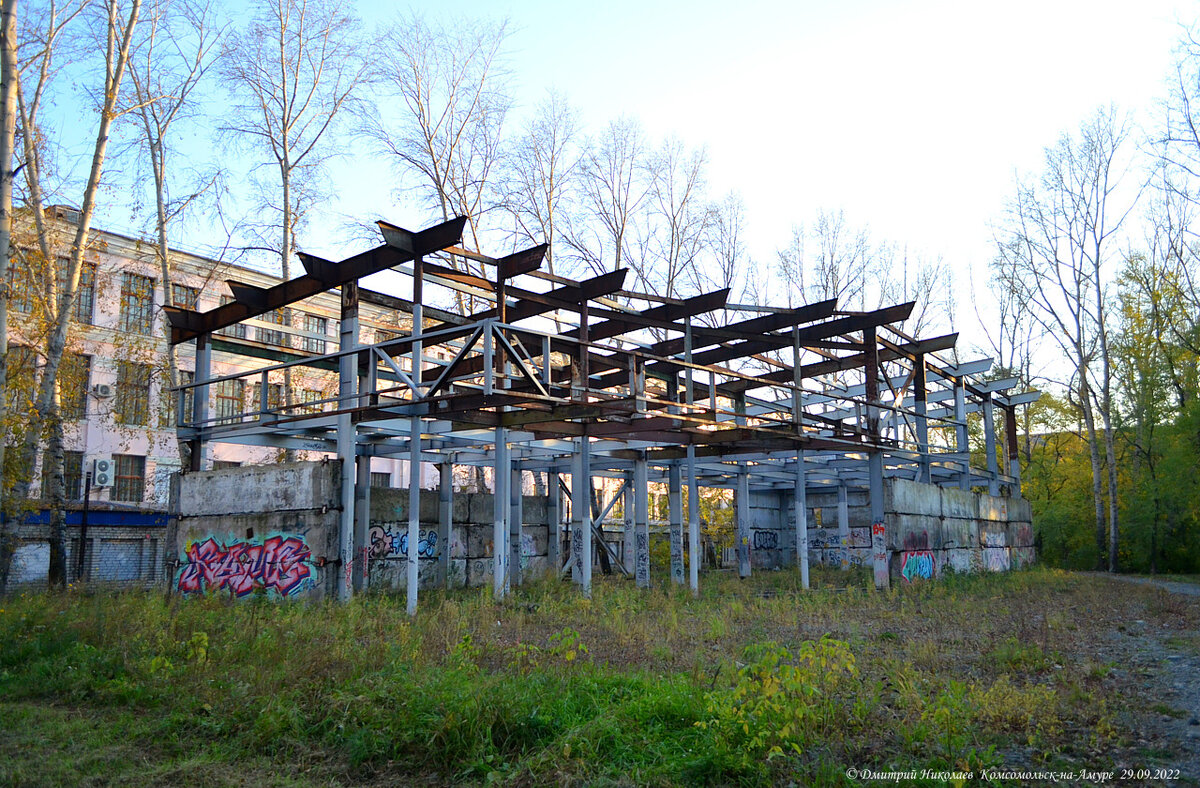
(1054,253)
(614,186)
(116,22)
(293,72)
(677,223)
(454,98)
(905,277)
(174,53)
(543,172)
(830,259)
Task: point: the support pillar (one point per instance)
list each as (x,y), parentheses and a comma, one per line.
(641,521)
(414,513)
(581,517)
(960,430)
(553,523)
(1014,454)
(989,437)
(501,474)
(924,469)
(627,509)
(515,519)
(347,376)
(693,523)
(445,520)
(879,558)
(199,446)
(743,521)
(801,519)
(675,517)
(843,526)
(362,524)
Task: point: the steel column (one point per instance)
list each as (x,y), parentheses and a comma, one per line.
(675,517)
(500,513)
(553,523)
(989,437)
(199,446)
(743,521)
(347,376)
(641,525)
(414,512)
(515,518)
(843,526)
(924,469)
(960,431)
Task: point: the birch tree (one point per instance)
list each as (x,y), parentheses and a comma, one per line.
(8,126)
(175,52)
(293,72)
(450,94)
(116,22)
(1055,251)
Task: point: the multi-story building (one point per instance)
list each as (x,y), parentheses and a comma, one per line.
(115,394)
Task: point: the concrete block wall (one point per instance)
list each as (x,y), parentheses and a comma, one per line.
(270,529)
(471,538)
(929,530)
(118,556)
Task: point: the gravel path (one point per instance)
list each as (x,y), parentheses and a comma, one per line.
(1162,664)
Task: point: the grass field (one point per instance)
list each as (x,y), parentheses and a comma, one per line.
(755,682)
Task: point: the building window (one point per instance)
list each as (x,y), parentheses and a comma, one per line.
(129,480)
(74,376)
(220,465)
(237,330)
(231,401)
(270,336)
(185,296)
(274,397)
(137,303)
(72,476)
(313,324)
(386,335)
(22,284)
(170,399)
(132,404)
(309,401)
(85,293)
(381,479)
(22,366)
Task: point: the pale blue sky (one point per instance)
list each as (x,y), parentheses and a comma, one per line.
(913,117)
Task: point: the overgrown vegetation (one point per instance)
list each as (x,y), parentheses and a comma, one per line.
(628,687)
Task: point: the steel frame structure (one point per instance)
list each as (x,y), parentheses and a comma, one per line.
(802,399)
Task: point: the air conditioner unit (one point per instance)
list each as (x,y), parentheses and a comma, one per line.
(102,472)
(102,390)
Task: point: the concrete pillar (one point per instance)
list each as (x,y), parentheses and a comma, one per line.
(199,446)
(581,516)
(801,519)
(500,513)
(960,430)
(627,507)
(924,469)
(989,437)
(641,521)
(445,520)
(743,521)
(414,512)
(553,523)
(675,518)
(843,525)
(347,376)
(362,524)
(693,523)
(515,519)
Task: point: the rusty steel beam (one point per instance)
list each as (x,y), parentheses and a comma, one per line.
(322,275)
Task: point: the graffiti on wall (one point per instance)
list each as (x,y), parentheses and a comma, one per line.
(879,554)
(279,564)
(995,553)
(766,540)
(916,564)
(386,543)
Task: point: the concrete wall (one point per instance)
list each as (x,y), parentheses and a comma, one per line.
(929,530)
(274,529)
(269,529)
(124,549)
(471,537)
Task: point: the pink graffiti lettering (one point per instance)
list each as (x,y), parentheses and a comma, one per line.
(279,564)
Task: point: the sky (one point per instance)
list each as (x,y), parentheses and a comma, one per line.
(912,117)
